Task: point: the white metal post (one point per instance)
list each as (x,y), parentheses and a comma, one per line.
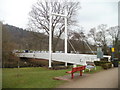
(50,34)
(65,34)
(50,37)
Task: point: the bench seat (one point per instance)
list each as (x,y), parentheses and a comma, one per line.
(75,69)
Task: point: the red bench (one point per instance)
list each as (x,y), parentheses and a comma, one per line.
(75,69)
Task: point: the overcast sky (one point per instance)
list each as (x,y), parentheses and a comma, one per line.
(91,14)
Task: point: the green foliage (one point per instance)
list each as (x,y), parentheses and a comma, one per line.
(119,62)
(115,63)
(0,77)
(59,67)
(99,63)
(104,59)
(106,65)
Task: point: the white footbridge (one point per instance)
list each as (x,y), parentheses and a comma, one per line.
(78,59)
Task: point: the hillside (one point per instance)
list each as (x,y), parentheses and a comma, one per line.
(24,39)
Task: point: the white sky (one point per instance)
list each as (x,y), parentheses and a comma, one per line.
(92,13)
(15,12)
(98,12)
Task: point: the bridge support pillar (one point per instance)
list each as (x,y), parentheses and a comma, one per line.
(50,38)
(66,64)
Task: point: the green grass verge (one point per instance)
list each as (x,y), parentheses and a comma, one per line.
(34,77)
(31,78)
(0,78)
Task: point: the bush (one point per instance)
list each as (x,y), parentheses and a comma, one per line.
(110,65)
(106,65)
(104,59)
(38,63)
(59,67)
(99,63)
(115,63)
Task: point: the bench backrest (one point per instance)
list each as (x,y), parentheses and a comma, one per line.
(78,68)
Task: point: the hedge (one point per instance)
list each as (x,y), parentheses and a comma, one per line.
(99,63)
(106,65)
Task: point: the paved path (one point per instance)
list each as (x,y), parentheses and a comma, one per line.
(104,79)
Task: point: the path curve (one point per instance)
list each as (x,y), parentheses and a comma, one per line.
(104,79)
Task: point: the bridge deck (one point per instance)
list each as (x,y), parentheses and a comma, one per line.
(62,57)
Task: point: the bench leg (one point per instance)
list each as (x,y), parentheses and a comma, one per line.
(72,75)
(81,73)
(89,70)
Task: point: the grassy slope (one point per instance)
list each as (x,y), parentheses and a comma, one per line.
(33,77)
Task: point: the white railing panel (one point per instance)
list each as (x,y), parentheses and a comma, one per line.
(41,55)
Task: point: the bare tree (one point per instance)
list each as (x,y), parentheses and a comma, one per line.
(99,36)
(103,36)
(39,17)
(114,32)
(93,35)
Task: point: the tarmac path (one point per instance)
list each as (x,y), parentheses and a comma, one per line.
(104,79)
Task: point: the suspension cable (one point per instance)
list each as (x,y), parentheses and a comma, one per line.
(71,46)
(85,43)
(88,45)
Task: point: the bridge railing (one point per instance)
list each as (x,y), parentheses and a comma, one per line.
(62,57)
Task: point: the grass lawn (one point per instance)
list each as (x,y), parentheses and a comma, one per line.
(34,77)
(31,78)
(0,78)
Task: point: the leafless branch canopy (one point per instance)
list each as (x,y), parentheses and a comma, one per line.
(39,15)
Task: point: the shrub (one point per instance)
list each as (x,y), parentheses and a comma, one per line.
(110,65)
(106,65)
(119,62)
(59,67)
(104,59)
(115,63)
(99,63)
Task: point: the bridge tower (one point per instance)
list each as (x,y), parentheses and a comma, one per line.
(50,34)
